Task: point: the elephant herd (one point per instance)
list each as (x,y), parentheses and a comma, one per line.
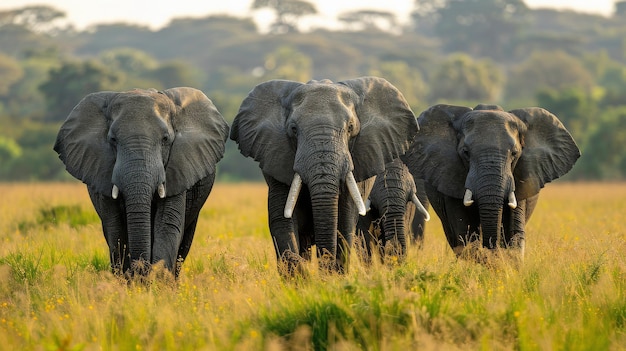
(341,160)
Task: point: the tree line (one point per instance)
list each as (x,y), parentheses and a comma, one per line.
(452,51)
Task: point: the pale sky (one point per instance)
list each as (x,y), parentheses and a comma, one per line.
(157,13)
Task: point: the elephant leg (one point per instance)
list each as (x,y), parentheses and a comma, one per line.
(456,219)
(346,229)
(531,203)
(113,221)
(303,221)
(281,228)
(196,197)
(367,236)
(515,225)
(168,229)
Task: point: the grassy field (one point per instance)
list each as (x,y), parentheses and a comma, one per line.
(56,292)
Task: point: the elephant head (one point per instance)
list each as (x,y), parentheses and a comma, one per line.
(490,158)
(327,136)
(138,146)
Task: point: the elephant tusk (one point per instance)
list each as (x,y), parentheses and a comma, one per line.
(161,190)
(292,197)
(368,205)
(353,188)
(512,200)
(116,192)
(467,199)
(420,207)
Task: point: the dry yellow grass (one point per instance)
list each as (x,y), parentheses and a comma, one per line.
(570,293)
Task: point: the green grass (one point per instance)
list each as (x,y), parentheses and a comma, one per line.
(56,291)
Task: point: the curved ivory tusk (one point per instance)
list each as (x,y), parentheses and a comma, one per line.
(420,207)
(512,200)
(467,199)
(353,188)
(292,197)
(161,190)
(116,192)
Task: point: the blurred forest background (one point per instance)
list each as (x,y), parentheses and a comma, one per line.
(452,51)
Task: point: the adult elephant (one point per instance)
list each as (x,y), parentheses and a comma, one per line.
(484,167)
(314,142)
(397,210)
(148,159)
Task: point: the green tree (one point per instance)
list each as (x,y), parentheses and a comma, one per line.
(23,100)
(10,73)
(35,18)
(176,74)
(288,12)
(554,70)
(604,146)
(370,20)
(288,63)
(460,78)
(477,27)
(407,79)
(69,83)
(574,107)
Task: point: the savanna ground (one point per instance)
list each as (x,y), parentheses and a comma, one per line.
(56,291)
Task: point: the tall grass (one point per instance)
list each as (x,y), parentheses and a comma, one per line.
(56,291)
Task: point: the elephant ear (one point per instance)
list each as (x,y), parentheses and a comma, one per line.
(259,128)
(549,151)
(201,134)
(433,156)
(82,142)
(388,125)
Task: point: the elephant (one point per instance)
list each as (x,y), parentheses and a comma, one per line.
(483,169)
(148,159)
(395,200)
(318,144)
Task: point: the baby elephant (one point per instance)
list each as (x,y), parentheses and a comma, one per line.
(396,214)
(148,158)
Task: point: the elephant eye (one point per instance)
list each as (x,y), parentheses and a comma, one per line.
(294,130)
(165,139)
(112,140)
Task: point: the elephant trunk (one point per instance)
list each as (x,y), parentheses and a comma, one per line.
(325,202)
(139,179)
(139,225)
(491,222)
(395,231)
(492,185)
(393,212)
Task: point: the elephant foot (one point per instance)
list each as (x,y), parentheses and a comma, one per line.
(292,265)
(518,243)
(393,253)
(139,269)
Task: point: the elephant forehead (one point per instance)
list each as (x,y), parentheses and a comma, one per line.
(490,119)
(320,96)
(141,104)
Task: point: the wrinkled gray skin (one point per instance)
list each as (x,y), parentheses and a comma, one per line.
(393,220)
(321,131)
(491,153)
(148,159)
